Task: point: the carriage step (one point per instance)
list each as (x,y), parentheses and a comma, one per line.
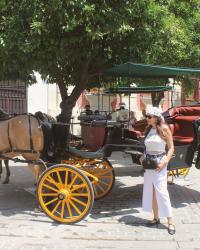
(86,154)
(133,152)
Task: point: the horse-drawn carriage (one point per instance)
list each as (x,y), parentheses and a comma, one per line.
(70,179)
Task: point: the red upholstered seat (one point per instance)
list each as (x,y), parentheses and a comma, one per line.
(182,140)
(182,129)
(180,121)
(183,111)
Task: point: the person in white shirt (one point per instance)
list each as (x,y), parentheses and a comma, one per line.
(155,193)
(121,114)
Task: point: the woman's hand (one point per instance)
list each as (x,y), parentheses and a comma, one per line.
(141,159)
(160,166)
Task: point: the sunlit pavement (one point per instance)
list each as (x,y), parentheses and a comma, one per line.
(115,222)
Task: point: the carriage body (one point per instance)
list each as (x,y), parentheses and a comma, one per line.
(183,123)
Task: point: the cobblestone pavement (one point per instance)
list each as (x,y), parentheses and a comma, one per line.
(116,222)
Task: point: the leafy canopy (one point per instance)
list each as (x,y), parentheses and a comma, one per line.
(71,41)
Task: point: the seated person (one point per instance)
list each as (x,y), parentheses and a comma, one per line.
(121,114)
(96,112)
(88,111)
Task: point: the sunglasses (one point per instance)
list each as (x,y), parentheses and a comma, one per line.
(149,116)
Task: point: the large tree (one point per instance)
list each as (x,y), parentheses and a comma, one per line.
(69,42)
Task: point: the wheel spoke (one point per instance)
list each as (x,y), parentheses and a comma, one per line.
(59,178)
(78,201)
(76,187)
(46,204)
(80,194)
(66,177)
(72,182)
(102,176)
(49,194)
(62,209)
(99,186)
(75,207)
(55,208)
(103,172)
(105,183)
(69,209)
(51,180)
(45,185)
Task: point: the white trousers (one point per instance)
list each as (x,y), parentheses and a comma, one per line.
(158,180)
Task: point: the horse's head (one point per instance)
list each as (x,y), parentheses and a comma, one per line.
(44,117)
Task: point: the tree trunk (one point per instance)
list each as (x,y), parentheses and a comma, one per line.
(69,101)
(156,97)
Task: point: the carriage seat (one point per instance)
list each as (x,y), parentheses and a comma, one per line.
(180,120)
(182,129)
(182,111)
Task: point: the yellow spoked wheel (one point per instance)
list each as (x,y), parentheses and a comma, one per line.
(65,194)
(180,171)
(100,168)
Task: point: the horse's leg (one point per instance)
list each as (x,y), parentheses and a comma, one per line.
(37,170)
(6,181)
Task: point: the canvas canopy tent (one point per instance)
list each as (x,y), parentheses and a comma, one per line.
(136,70)
(157,91)
(131,90)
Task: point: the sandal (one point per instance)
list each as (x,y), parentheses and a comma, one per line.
(153,222)
(171,229)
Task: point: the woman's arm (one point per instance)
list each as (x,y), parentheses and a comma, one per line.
(170,143)
(170,146)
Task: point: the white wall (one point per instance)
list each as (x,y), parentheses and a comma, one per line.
(37,97)
(53,100)
(43,97)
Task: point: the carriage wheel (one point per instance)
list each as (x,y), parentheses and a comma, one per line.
(65,193)
(180,171)
(102,169)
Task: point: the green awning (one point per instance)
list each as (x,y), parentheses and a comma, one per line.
(142,89)
(149,71)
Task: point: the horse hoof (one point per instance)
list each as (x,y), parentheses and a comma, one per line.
(6,181)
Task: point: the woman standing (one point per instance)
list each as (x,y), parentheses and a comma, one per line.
(155,193)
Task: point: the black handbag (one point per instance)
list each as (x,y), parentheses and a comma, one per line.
(148,163)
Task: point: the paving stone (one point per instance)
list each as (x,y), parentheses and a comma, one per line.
(115,222)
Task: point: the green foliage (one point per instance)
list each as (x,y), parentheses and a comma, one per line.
(71,41)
